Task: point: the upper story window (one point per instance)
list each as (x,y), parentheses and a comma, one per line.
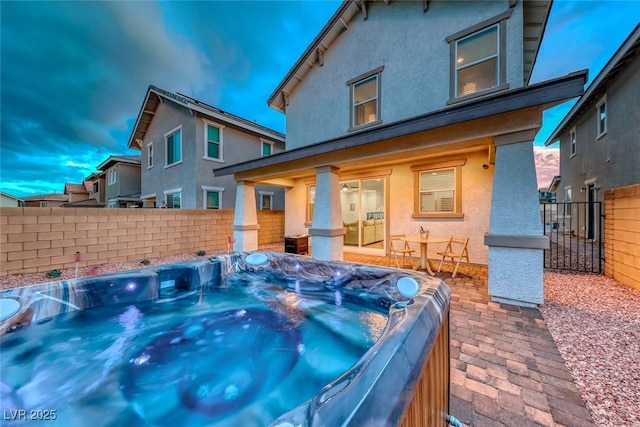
(573,141)
(150,155)
(212,197)
(438,190)
(478,58)
(174,146)
(267,148)
(365,98)
(213,137)
(111,176)
(601,109)
(96,187)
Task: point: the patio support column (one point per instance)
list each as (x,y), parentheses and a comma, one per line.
(327,231)
(516,240)
(245,220)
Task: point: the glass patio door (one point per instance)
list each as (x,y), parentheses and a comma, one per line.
(363,213)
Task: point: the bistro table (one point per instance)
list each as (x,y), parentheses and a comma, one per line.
(424,243)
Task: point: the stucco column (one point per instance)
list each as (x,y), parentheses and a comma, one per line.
(516,240)
(245,220)
(326,230)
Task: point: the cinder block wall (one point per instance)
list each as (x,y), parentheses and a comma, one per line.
(40,239)
(622,235)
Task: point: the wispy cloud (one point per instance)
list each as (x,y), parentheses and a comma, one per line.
(547,164)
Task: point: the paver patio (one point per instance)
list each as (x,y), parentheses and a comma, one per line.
(506,369)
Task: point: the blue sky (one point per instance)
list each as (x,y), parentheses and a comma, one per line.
(74,74)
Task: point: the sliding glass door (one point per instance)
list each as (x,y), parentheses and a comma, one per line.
(363,212)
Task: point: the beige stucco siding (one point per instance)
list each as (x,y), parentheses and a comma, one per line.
(477,183)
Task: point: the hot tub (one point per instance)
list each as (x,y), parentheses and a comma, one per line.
(243,339)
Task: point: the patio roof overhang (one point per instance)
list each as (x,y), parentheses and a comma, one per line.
(462,128)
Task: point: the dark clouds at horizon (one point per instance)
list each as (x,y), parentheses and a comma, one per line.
(74,74)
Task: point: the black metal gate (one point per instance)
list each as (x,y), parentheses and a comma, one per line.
(575,232)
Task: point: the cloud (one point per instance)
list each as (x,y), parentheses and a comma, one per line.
(547,160)
(79,72)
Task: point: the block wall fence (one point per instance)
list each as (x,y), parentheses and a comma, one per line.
(41,239)
(622,235)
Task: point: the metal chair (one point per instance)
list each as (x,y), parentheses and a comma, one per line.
(397,247)
(456,250)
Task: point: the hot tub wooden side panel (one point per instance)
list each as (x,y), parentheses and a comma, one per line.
(430,401)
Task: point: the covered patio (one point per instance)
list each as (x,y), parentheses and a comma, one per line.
(486,147)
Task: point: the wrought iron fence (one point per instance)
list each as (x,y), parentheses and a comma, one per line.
(575,232)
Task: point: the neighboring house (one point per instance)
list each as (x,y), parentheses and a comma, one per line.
(9,201)
(55,200)
(600,139)
(122,183)
(96,182)
(416,114)
(182,140)
(76,192)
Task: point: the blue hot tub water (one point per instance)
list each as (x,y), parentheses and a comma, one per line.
(280,340)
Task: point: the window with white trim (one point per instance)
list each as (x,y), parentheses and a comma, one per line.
(173,141)
(150,155)
(267,148)
(311,201)
(477,61)
(174,200)
(112,205)
(266,200)
(573,141)
(111,176)
(478,58)
(43,204)
(601,109)
(438,189)
(365,98)
(212,197)
(213,137)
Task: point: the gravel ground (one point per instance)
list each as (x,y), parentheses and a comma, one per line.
(595,321)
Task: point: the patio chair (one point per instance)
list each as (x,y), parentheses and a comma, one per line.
(455,251)
(398,247)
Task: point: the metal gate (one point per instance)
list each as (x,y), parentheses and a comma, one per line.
(575,232)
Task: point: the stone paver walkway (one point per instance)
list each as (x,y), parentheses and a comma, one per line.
(505,367)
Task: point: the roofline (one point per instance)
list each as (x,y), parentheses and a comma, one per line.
(118,159)
(544,29)
(318,42)
(633,38)
(310,49)
(544,93)
(554,183)
(213,112)
(10,196)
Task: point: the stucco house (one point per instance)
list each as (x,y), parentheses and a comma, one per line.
(96,182)
(122,182)
(76,192)
(9,201)
(598,189)
(423,117)
(54,200)
(182,139)
(600,138)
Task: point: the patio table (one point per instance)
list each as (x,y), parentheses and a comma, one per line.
(424,244)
